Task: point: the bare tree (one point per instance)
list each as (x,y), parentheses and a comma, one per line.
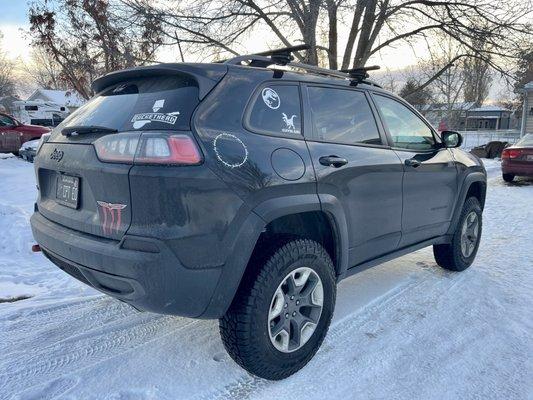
(87,38)
(7,79)
(477,76)
(45,71)
(372,25)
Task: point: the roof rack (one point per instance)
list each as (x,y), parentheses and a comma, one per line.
(284,57)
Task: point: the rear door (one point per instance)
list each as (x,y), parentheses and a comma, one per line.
(430,180)
(354,165)
(83,178)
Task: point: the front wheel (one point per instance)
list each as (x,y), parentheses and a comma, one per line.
(282,312)
(460,253)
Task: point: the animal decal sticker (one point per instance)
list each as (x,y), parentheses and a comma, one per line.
(289,123)
(230,150)
(140,120)
(110,216)
(271,98)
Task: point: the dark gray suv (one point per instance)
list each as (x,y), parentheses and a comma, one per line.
(245,191)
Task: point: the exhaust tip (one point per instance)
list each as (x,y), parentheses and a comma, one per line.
(36,248)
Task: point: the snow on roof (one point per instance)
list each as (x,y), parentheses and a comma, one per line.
(444,107)
(69,98)
(489,108)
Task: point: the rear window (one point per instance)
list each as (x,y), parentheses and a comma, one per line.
(158,103)
(276,110)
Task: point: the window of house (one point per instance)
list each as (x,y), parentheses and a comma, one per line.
(342,116)
(276,110)
(407,130)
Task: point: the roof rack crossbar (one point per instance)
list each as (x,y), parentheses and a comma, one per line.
(360,74)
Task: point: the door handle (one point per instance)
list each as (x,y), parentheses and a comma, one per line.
(333,161)
(411,162)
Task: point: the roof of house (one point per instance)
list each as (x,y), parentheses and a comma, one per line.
(489,108)
(69,98)
(444,107)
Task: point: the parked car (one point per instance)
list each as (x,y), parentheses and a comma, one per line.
(246,192)
(28,150)
(13,133)
(517,160)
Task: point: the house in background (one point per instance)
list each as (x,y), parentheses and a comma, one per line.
(66,98)
(488,117)
(527,110)
(467,116)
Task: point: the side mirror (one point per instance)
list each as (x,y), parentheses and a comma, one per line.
(452,139)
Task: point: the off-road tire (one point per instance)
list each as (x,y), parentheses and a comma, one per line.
(244,328)
(450,256)
(508,177)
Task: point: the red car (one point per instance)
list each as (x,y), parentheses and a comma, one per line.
(13,133)
(517,160)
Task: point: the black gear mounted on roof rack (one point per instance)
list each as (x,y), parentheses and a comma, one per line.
(284,57)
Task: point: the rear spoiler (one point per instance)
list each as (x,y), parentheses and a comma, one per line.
(207,75)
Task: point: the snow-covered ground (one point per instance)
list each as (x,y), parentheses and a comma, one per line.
(403,330)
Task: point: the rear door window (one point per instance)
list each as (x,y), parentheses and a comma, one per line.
(276,110)
(158,103)
(342,116)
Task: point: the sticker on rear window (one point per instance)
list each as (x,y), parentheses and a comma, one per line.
(289,123)
(271,98)
(140,120)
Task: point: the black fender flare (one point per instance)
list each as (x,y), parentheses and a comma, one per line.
(471,178)
(252,227)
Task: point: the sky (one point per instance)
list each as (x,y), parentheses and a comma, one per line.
(14,19)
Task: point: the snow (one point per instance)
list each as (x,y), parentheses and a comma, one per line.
(68,98)
(406,329)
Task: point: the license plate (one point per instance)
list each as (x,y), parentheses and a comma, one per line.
(68,188)
(529,157)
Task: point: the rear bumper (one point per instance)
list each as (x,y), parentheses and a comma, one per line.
(140,271)
(521,169)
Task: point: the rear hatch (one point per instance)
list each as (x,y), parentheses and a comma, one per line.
(83,172)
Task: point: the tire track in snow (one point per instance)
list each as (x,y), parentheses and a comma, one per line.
(20,332)
(88,349)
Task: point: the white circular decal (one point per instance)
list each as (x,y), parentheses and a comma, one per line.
(271,98)
(235,152)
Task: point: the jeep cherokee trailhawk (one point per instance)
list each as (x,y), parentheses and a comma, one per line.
(245,190)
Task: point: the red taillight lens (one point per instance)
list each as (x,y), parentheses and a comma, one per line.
(175,149)
(511,153)
(148,148)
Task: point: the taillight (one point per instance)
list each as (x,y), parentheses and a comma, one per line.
(511,153)
(148,148)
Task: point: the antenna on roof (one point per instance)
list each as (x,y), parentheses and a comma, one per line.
(360,74)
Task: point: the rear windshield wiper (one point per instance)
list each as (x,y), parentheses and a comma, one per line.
(81,129)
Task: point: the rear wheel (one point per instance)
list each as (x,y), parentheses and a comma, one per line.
(508,177)
(282,312)
(461,252)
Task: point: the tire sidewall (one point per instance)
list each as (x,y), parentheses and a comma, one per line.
(269,353)
(472,204)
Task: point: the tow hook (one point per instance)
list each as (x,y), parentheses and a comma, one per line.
(36,248)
